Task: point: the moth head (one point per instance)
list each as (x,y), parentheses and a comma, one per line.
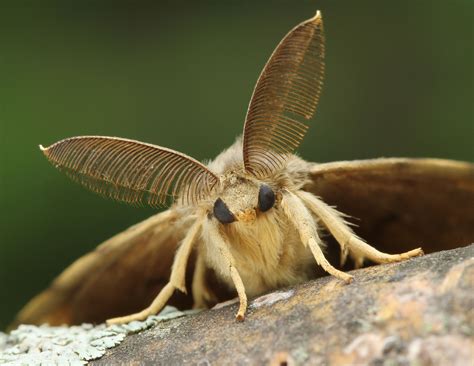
(243,200)
(283,102)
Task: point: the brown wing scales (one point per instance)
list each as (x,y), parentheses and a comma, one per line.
(399,204)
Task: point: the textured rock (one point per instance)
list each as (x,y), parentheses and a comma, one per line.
(416,312)
(75,345)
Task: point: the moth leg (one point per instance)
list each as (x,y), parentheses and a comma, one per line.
(226,255)
(346,238)
(201,294)
(177,279)
(301,218)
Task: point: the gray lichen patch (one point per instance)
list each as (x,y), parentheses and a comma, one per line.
(75,345)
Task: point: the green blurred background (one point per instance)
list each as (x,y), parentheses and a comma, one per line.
(180,74)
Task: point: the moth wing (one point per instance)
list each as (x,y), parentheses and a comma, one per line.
(400,204)
(121,276)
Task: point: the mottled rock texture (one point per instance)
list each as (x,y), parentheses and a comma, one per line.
(70,345)
(418,312)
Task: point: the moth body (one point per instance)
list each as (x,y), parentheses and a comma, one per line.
(266,248)
(246,215)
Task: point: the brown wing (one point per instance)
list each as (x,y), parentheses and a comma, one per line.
(401,204)
(122,276)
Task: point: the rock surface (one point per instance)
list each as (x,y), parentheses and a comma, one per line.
(70,345)
(416,312)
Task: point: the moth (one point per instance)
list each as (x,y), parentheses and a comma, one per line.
(250,221)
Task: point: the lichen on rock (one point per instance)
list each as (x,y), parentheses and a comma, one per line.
(71,345)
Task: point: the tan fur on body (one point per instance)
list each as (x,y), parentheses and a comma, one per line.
(270,249)
(267,250)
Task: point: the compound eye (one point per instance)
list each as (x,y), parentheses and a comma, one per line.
(222,212)
(266,198)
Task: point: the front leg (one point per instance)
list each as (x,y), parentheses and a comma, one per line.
(301,218)
(211,230)
(177,279)
(202,294)
(346,238)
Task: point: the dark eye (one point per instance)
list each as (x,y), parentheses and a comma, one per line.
(266,198)
(222,213)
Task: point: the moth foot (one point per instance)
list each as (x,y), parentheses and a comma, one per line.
(412,253)
(347,278)
(128,318)
(359,251)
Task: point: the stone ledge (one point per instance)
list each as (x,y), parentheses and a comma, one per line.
(419,311)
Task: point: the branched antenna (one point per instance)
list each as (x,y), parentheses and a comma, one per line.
(285,98)
(131,171)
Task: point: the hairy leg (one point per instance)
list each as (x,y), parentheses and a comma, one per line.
(301,218)
(201,293)
(177,279)
(226,256)
(347,239)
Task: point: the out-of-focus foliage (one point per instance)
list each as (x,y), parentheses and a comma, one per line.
(399,82)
